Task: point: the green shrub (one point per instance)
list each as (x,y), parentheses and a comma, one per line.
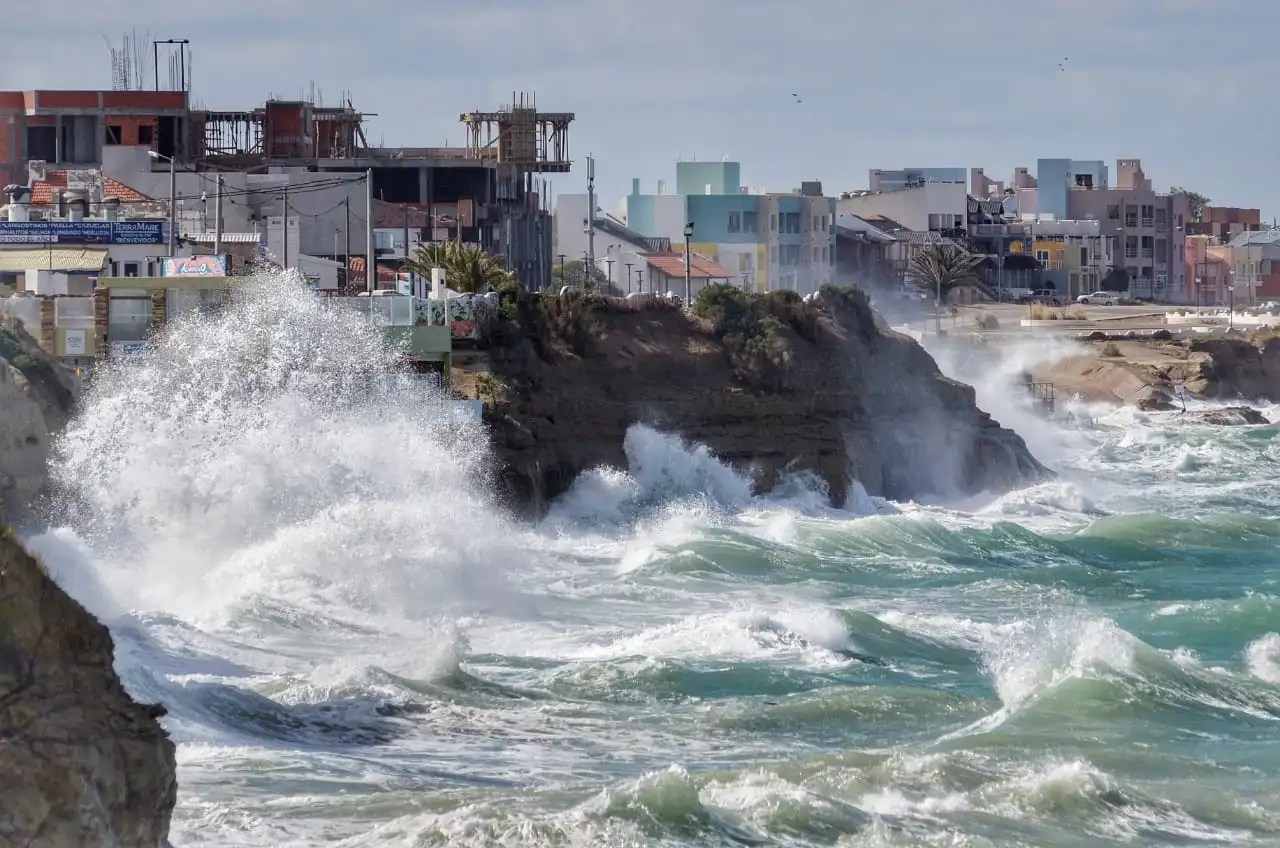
(725,306)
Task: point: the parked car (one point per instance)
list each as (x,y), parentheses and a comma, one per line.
(1102,298)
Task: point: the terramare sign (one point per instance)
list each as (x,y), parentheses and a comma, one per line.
(194,266)
(82,232)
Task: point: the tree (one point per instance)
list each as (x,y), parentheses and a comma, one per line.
(574,274)
(1116,280)
(466,268)
(939,268)
(1197,200)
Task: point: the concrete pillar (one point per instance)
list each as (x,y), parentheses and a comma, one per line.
(101,315)
(159,309)
(48,331)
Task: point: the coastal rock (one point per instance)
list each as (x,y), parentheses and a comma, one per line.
(36,397)
(1228,416)
(1239,368)
(859,402)
(80,762)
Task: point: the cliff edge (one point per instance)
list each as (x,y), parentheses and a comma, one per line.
(80,762)
(36,398)
(767,382)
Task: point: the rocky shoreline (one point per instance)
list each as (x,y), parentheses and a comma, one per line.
(844,398)
(1156,373)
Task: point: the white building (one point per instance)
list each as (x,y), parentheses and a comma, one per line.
(924,207)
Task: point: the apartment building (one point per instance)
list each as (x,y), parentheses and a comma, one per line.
(767,241)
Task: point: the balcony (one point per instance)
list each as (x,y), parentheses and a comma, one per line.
(1147,253)
(1147,222)
(1131,253)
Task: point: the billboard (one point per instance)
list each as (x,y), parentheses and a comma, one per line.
(194,266)
(82,232)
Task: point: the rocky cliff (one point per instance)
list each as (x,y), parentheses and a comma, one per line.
(36,397)
(80,762)
(805,387)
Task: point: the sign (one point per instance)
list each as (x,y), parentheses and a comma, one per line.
(82,232)
(128,349)
(194,266)
(74,343)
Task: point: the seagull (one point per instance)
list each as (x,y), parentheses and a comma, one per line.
(1062,66)
(797,97)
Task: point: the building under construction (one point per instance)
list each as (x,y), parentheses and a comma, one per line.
(486,192)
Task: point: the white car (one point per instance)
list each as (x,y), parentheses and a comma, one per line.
(1102,298)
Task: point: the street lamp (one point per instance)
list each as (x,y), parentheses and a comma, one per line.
(173,198)
(629,264)
(688,287)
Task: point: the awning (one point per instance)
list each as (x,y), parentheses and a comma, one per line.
(63,259)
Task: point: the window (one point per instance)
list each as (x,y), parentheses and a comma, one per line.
(113,134)
(826,254)
(1113,212)
(1084,256)
(773,254)
(816,220)
(1084,180)
(1131,216)
(1042,256)
(1162,218)
(773,223)
(748,222)
(735,222)
(146,134)
(1162,250)
(131,269)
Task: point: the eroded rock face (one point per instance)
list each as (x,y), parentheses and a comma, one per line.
(861,402)
(81,764)
(35,401)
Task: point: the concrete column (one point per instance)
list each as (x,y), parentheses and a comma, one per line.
(159,309)
(48,330)
(101,315)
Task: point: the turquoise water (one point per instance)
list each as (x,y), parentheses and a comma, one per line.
(356,651)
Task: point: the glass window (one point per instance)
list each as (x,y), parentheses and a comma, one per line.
(735,222)
(748,222)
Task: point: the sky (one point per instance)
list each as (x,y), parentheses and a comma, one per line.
(1184,85)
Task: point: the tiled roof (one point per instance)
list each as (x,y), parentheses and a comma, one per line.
(112,189)
(700,267)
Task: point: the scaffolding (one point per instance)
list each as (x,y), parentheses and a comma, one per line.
(280,130)
(520,135)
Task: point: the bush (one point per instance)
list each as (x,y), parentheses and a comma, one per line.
(725,306)
(753,331)
(1111,349)
(1074,313)
(987,321)
(1040,312)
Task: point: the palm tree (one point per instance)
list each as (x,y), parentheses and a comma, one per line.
(943,267)
(467,268)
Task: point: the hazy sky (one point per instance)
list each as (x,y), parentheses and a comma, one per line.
(1185,85)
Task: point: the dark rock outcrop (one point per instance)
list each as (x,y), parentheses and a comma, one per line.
(80,762)
(1240,368)
(859,402)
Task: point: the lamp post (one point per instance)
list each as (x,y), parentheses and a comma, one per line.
(640,280)
(173,198)
(629,264)
(688,285)
(560,256)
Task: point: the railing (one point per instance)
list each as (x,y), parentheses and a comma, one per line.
(1148,253)
(1147,222)
(1131,253)
(392,311)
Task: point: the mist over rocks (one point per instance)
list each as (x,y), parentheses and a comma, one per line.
(820,387)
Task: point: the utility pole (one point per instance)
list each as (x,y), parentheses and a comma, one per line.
(346,235)
(217,219)
(591,215)
(561,257)
(629,264)
(640,280)
(688,258)
(406,232)
(370,260)
(284,260)
(608,263)
(173,206)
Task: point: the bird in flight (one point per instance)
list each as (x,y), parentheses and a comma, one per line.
(797,97)
(1062,66)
